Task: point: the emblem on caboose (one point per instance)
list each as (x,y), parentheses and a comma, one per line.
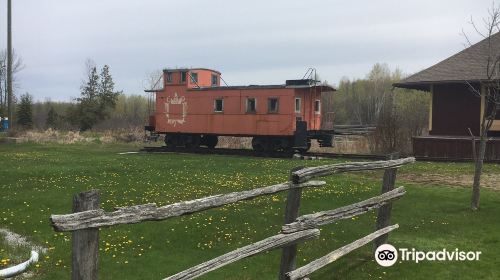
(176,110)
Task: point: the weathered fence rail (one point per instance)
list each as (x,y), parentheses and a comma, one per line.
(311,267)
(87,218)
(150,212)
(276,241)
(309,173)
(327,217)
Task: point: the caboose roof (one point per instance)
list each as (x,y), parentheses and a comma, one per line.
(323,87)
(188,69)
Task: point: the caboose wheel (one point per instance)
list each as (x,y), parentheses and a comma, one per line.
(286,145)
(171,140)
(210,141)
(275,144)
(259,144)
(304,150)
(193,141)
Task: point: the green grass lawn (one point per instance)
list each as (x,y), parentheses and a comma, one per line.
(39,180)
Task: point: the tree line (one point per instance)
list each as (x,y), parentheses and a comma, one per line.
(398,114)
(129,111)
(99,106)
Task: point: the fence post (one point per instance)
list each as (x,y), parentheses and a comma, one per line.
(86,241)
(289,253)
(384,212)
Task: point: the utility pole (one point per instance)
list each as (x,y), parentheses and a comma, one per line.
(9,61)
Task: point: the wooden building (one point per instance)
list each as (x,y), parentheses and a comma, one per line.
(455,106)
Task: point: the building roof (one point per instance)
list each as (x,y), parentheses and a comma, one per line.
(468,65)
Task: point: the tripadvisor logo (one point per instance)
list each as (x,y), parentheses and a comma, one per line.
(387,255)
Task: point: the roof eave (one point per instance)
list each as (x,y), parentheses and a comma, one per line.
(426,85)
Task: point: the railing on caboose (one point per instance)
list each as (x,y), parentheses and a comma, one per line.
(88,218)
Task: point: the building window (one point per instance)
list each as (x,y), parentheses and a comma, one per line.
(251,105)
(183,77)
(169,77)
(194,78)
(219,105)
(215,80)
(317,106)
(297,105)
(272,105)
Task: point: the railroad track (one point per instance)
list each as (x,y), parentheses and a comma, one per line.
(222,151)
(308,155)
(248,152)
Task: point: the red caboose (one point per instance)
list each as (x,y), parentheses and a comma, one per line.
(193,109)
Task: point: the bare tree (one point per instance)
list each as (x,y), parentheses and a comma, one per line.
(153,81)
(17,65)
(489,91)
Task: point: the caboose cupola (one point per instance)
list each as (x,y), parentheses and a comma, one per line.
(191,77)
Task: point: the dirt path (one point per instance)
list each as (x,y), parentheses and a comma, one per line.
(13,239)
(490,181)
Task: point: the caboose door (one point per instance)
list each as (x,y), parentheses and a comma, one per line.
(300,135)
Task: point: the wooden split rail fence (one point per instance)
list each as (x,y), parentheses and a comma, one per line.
(87,218)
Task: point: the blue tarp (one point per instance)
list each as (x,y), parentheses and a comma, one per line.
(4,124)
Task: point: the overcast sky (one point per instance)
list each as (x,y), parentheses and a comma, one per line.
(250,42)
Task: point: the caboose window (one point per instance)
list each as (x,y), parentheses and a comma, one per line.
(297,105)
(169,77)
(219,105)
(183,77)
(194,77)
(317,106)
(251,105)
(214,80)
(272,105)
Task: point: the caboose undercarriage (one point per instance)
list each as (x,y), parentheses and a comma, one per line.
(300,141)
(259,143)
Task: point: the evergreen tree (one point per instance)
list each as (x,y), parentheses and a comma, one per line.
(25,111)
(97,97)
(71,115)
(52,118)
(89,103)
(107,95)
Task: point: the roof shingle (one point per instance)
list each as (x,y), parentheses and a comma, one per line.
(468,65)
